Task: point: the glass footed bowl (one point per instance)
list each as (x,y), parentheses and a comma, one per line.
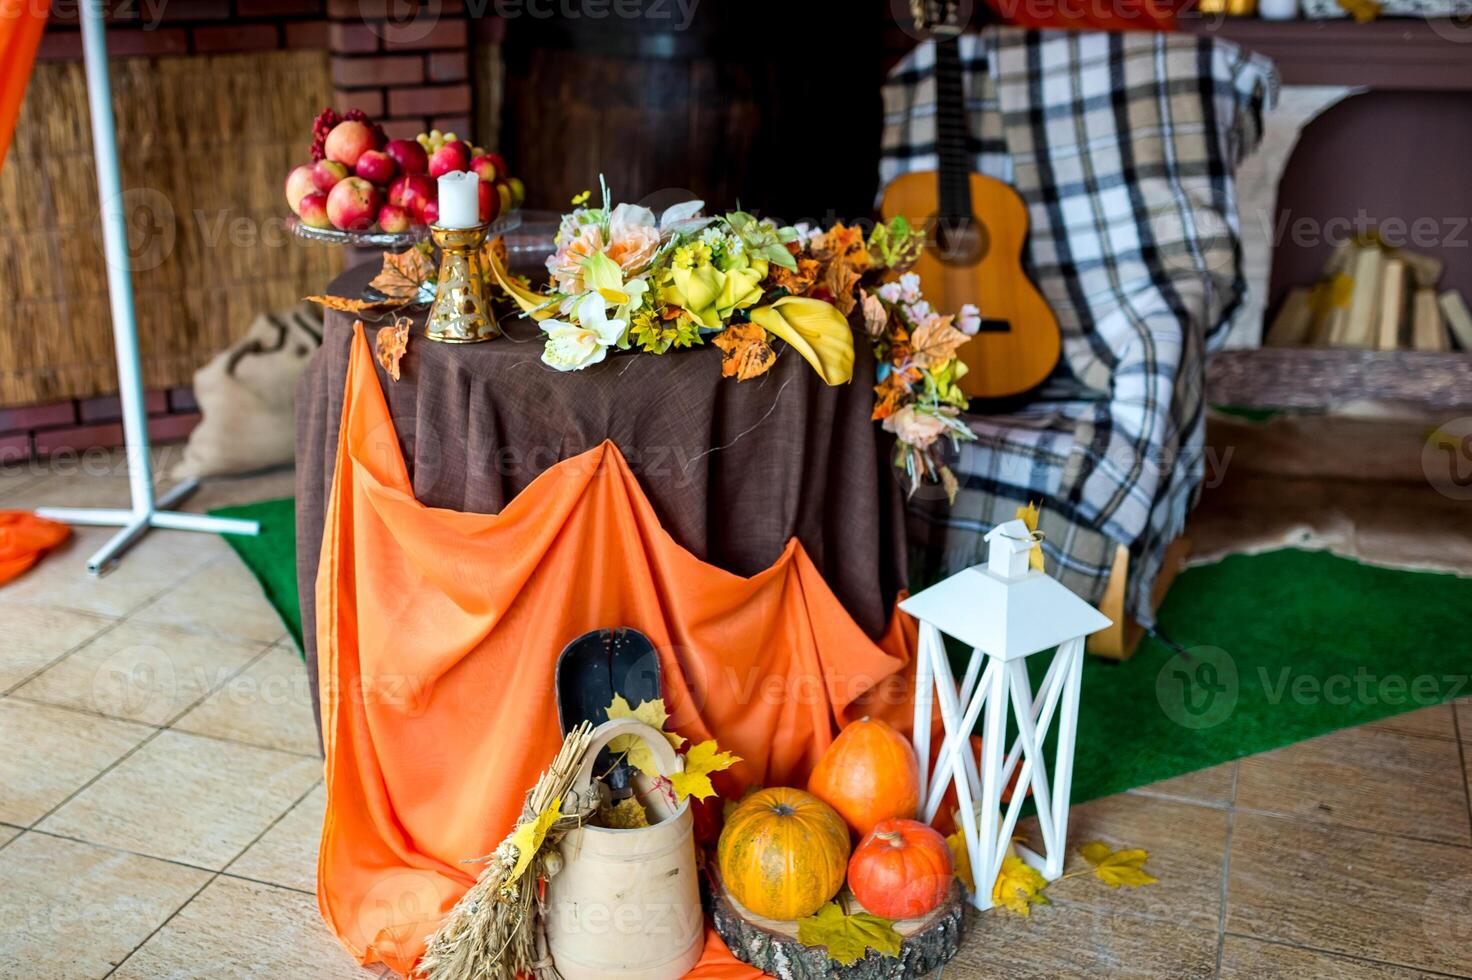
(395,240)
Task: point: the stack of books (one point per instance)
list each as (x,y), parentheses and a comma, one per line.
(1374,297)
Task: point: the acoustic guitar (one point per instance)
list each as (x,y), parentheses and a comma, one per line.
(976,228)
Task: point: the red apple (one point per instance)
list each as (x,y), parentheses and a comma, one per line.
(447,159)
(463,148)
(353,204)
(326,174)
(431,212)
(393,218)
(299,185)
(314,210)
(376,167)
(349,140)
(485,169)
(490,201)
(412,192)
(409,155)
(499,161)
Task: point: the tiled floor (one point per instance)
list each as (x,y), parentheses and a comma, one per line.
(161,796)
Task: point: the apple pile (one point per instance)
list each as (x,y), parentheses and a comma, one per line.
(359,178)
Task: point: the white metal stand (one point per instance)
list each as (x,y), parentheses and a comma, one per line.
(147,512)
(1004,690)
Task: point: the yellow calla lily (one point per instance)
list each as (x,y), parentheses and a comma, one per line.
(816,330)
(534,304)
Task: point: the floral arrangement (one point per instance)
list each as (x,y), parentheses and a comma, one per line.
(917,397)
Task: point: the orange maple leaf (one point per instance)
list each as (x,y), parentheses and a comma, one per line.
(745,353)
(403,273)
(346,305)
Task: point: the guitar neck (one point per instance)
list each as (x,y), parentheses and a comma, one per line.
(952,135)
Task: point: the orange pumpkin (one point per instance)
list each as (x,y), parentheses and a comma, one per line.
(901,871)
(783,853)
(868,774)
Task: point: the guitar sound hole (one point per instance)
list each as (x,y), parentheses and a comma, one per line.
(959,241)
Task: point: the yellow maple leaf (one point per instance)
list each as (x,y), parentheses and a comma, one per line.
(961,858)
(1029,514)
(702,760)
(635,749)
(1116,868)
(1019,885)
(627,814)
(848,937)
(528,839)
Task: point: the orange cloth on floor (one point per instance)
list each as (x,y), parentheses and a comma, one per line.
(21,24)
(24,538)
(438,633)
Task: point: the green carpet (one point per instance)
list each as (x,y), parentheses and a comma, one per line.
(271,555)
(1281,647)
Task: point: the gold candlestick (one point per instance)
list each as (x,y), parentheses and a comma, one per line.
(461,313)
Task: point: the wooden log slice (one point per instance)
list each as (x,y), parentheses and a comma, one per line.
(772,947)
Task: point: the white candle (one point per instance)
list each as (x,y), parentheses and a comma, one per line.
(459,199)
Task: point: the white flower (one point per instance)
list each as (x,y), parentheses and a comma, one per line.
(910,287)
(806,233)
(570,347)
(890,292)
(574,346)
(968,321)
(919,312)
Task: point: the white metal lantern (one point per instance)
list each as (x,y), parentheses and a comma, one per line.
(1005,612)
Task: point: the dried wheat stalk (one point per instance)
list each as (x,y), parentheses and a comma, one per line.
(494,932)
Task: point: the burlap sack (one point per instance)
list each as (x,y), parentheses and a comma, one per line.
(246,396)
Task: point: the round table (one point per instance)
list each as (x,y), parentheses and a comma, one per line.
(733,469)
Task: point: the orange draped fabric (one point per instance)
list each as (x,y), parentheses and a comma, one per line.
(438,634)
(21,24)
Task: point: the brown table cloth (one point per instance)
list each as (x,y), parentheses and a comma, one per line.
(733,469)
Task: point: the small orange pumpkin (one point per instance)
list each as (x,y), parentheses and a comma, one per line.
(902,870)
(868,774)
(783,853)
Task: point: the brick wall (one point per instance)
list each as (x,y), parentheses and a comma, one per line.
(412,73)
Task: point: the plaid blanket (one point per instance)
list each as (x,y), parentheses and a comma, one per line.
(1123,147)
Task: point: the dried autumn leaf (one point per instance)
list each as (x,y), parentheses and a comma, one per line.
(346,305)
(402,274)
(745,353)
(876,314)
(627,814)
(528,839)
(796,282)
(703,759)
(1116,868)
(891,394)
(935,343)
(390,344)
(636,750)
(848,937)
(1019,885)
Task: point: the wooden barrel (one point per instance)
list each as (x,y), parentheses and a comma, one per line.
(738,105)
(626,904)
